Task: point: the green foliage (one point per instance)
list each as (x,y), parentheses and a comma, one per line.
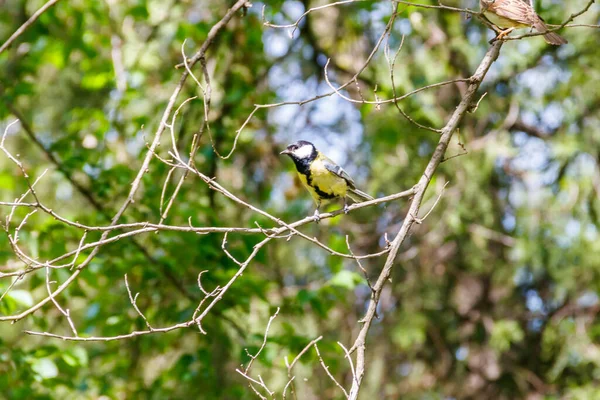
(494,295)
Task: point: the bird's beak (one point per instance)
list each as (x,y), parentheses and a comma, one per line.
(286,151)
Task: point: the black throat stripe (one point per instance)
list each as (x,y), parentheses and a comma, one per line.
(303,167)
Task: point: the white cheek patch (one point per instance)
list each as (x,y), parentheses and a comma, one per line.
(303,151)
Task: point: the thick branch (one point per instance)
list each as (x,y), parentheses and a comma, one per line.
(438,155)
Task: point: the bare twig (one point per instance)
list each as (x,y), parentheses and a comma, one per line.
(66,312)
(440,6)
(326,368)
(133,300)
(27,24)
(260,382)
(420,220)
(294,361)
(295,24)
(145,164)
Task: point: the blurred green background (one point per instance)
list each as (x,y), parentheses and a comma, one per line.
(494,296)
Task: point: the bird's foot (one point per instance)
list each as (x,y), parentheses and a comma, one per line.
(502,34)
(346,209)
(316,216)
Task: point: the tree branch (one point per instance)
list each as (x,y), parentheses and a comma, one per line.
(447,132)
(145,164)
(27,24)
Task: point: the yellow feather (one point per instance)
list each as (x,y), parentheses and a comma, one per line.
(323,180)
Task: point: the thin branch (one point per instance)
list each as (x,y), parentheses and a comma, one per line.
(149,228)
(260,382)
(326,368)
(145,164)
(66,312)
(133,300)
(294,361)
(420,220)
(27,24)
(315,98)
(295,24)
(440,6)
(394,99)
(257,382)
(264,343)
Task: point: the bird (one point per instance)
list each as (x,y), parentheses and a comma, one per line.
(511,14)
(324,179)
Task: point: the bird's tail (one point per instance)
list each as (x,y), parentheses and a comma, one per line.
(358,196)
(549,37)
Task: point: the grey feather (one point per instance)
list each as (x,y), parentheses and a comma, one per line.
(355,194)
(339,171)
(358,195)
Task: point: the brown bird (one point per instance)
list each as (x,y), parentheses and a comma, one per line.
(511,14)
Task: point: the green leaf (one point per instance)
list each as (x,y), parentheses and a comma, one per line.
(345,279)
(45,368)
(22,297)
(504,333)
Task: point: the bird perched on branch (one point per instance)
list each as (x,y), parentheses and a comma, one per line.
(324,179)
(511,14)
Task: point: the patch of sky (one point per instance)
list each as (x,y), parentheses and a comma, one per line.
(523,47)
(535,325)
(549,175)
(542,79)
(111,136)
(534,155)
(424,149)
(573,228)
(523,277)
(552,116)
(473,35)
(461,353)
(64,191)
(591,232)
(281,183)
(380,12)
(534,302)
(135,144)
(403,27)
(588,299)
(93,172)
(571,233)
(509,221)
(331,123)
(585,166)
(404,369)
(276,43)
(518,195)
(259,175)
(13,130)
(502,89)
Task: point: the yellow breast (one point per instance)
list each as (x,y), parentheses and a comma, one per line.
(323,185)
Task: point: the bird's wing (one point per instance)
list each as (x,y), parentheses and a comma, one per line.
(339,171)
(516,10)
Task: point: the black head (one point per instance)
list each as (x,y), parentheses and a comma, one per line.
(301,150)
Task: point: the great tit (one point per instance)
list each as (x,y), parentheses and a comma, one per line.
(324,179)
